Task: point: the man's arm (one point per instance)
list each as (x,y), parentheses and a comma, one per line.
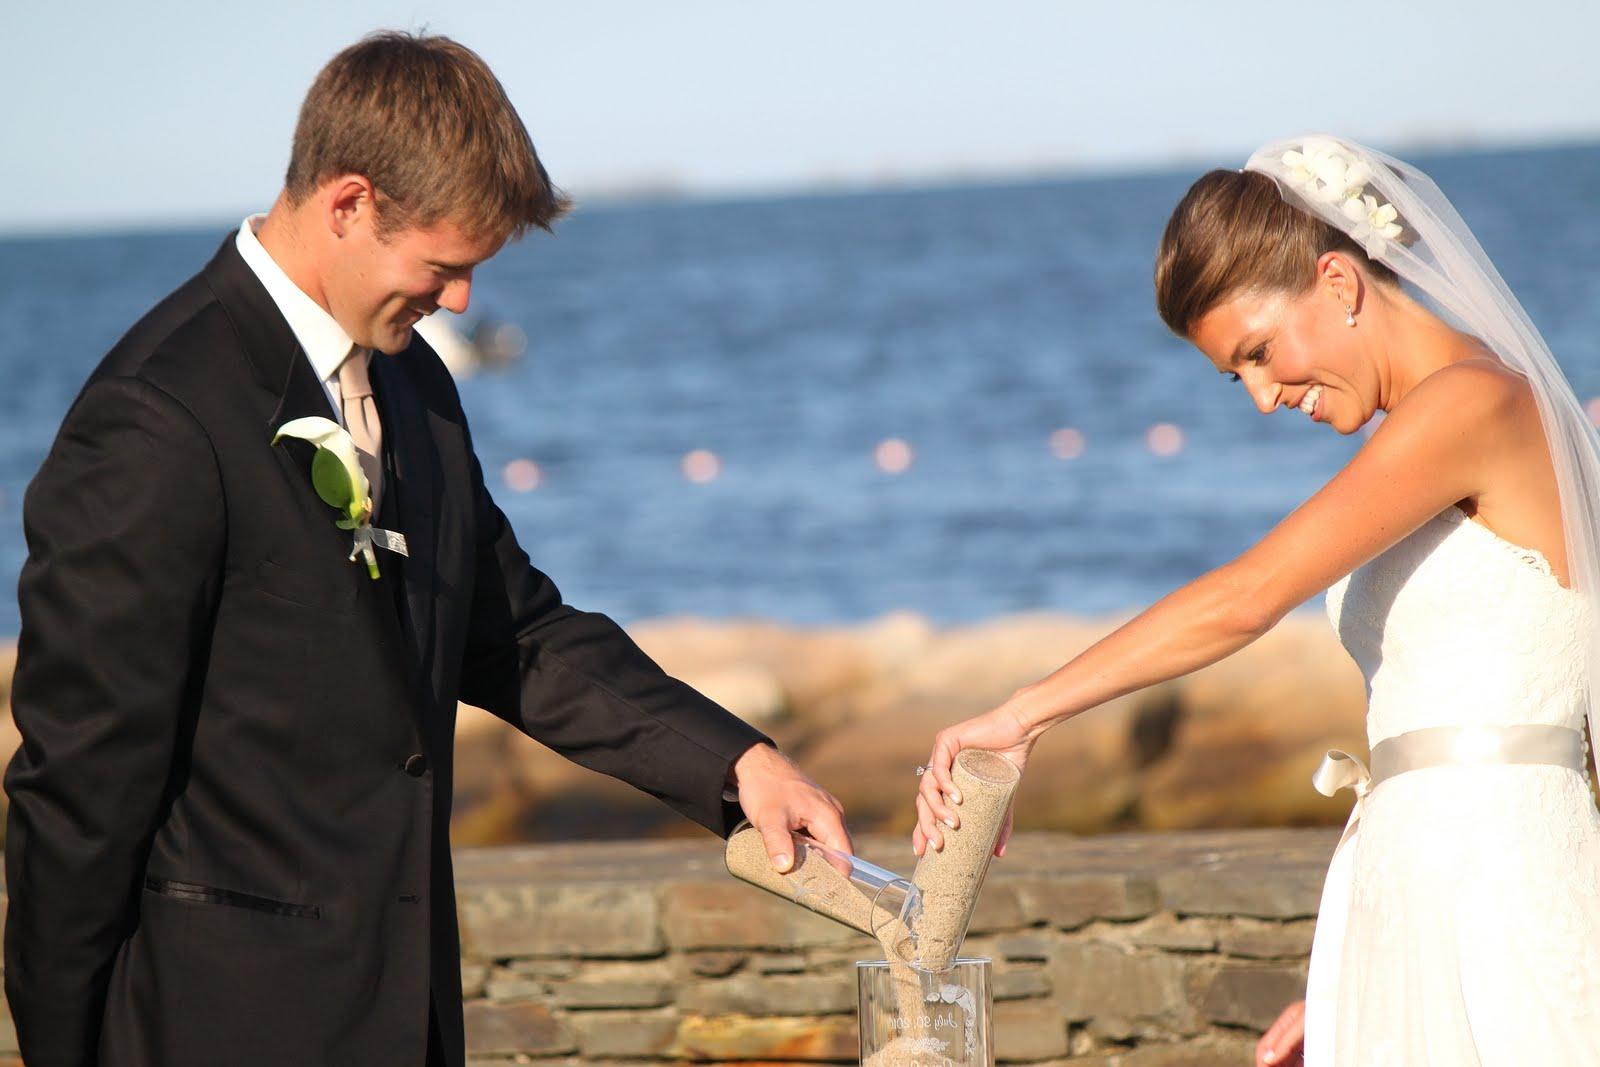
(576,682)
(125,529)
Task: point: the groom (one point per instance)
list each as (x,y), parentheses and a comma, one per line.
(228,836)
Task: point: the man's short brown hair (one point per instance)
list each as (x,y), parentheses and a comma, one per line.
(426,121)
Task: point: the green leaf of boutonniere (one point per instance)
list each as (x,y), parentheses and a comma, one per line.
(331,479)
(336,472)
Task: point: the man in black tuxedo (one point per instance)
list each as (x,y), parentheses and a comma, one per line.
(227,842)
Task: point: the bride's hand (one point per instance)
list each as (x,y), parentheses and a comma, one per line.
(1283,1045)
(1001,730)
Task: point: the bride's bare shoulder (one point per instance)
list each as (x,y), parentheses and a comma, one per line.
(1479,391)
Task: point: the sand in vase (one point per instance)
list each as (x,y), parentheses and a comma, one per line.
(949,879)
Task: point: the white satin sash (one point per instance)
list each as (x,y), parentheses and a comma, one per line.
(1441,746)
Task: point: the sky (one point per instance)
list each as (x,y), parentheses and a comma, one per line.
(140,116)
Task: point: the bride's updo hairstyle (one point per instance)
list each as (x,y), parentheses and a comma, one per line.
(1233,233)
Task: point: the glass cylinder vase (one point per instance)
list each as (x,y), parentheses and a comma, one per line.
(914,1018)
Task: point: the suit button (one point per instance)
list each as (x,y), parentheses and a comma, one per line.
(416,766)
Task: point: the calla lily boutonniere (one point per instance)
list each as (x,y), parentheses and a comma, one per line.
(337,477)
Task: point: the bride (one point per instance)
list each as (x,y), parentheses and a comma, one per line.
(1460,918)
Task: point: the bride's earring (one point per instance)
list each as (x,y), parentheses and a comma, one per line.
(1349,315)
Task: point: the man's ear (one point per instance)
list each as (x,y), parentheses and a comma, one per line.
(349,204)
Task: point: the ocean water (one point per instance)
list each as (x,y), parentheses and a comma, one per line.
(791,337)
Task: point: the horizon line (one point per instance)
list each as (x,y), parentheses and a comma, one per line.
(645,191)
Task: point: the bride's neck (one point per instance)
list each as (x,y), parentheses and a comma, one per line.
(1411,343)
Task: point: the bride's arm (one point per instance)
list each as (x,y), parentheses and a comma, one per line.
(1432,451)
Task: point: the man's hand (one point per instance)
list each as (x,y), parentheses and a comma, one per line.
(1283,1045)
(779,799)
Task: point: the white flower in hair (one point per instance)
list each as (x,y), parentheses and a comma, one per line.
(1375,222)
(1326,170)
(1305,165)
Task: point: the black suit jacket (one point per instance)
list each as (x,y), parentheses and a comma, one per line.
(227,841)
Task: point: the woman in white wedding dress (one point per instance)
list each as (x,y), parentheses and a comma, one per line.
(1460,919)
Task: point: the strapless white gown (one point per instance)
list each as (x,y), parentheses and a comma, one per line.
(1460,920)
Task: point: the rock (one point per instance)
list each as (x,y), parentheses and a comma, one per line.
(961,673)
(1073,900)
(1122,993)
(780,963)
(1174,934)
(779,994)
(525,1026)
(742,1037)
(748,690)
(491,796)
(473,978)
(822,671)
(716,964)
(616,985)
(1028,1031)
(559,920)
(509,788)
(549,970)
(998,908)
(1262,890)
(1020,983)
(1256,939)
(8,669)
(1251,731)
(733,915)
(503,985)
(1029,946)
(624,1034)
(1252,995)
(1214,1051)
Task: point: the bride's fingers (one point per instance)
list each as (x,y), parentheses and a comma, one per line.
(945,748)
(938,804)
(928,825)
(1005,832)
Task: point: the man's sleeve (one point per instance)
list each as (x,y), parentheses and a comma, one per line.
(125,531)
(576,682)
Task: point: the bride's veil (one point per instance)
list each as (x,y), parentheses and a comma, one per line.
(1402,219)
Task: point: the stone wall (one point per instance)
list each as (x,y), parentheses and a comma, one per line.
(1143,950)
(1139,950)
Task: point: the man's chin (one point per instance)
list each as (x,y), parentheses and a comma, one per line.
(395,340)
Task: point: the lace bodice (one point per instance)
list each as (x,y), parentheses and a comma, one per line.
(1456,626)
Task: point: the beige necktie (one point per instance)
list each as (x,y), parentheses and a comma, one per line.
(361,419)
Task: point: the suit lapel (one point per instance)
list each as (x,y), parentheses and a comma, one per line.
(289,386)
(291,391)
(413,459)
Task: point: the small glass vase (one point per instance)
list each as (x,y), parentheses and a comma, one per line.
(912,1018)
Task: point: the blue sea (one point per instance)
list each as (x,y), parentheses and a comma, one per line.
(791,337)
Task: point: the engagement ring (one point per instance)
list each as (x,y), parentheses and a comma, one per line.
(923,769)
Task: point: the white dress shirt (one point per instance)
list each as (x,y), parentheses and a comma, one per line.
(323,340)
